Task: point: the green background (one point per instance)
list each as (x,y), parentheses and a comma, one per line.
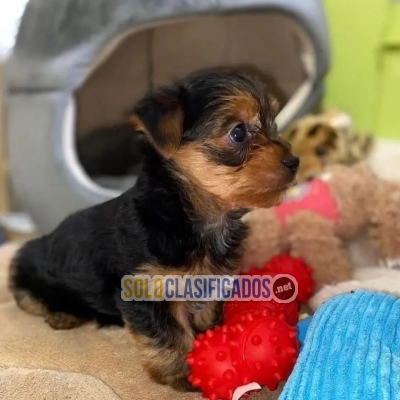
(365,72)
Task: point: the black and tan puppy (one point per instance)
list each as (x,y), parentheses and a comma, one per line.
(212,154)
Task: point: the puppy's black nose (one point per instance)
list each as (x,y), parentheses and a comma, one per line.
(292,163)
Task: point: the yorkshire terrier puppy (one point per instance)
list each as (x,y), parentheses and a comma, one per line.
(211,154)
(318,143)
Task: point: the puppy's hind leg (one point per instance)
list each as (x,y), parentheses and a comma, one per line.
(27,302)
(33,306)
(60,320)
(28,291)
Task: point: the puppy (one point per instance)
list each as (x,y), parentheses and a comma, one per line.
(212,153)
(319,144)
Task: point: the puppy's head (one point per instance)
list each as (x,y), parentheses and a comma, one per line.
(317,144)
(217,132)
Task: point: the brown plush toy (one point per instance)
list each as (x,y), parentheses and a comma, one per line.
(347,217)
(326,139)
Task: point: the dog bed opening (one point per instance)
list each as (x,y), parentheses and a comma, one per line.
(271,44)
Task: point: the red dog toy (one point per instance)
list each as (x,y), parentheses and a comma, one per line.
(258,342)
(297,268)
(236,311)
(263,350)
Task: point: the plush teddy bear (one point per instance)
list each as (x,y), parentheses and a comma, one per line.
(347,218)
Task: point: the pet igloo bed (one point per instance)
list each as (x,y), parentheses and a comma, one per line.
(81,64)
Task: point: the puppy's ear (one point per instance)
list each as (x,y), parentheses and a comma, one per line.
(160,117)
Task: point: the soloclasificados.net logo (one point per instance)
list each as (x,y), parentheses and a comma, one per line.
(282,288)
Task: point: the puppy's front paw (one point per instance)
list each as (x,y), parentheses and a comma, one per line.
(172,373)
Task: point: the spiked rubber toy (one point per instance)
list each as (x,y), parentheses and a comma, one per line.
(296,267)
(258,341)
(235,311)
(215,368)
(262,349)
(268,347)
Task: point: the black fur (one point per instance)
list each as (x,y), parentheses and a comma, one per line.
(77,269)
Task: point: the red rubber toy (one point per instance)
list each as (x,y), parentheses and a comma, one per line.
(296,267)
(235,311)
(258,342)
(269,348)
(263,349)
(214,367)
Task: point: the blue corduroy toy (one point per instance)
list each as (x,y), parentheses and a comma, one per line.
(351,351)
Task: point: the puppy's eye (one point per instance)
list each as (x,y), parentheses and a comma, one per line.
(238,134)
(321,151)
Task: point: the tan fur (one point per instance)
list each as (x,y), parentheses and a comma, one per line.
(171,128)
(208,316)
(274,104)
(23,298)
(232,187)
(260,181)
(165,365)
(242,105)
(34,307)
(206,204)
(28,303)
(138,125)
(170,131)
(198,267)
(60,320)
